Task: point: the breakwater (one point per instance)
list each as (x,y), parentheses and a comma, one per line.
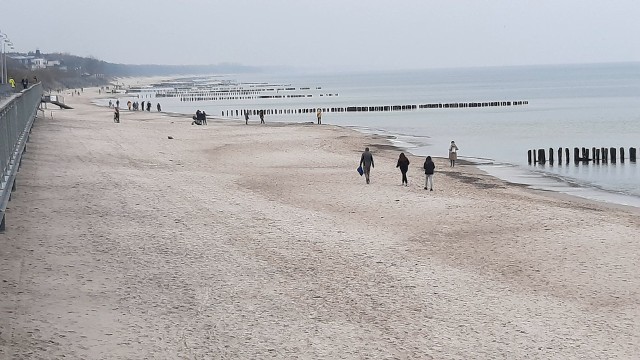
(598,155)
(380,108)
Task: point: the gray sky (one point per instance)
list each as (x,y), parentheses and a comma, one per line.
(330,34)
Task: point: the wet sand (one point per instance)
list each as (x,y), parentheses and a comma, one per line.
(261,241)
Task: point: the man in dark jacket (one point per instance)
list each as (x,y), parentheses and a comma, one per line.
(366,161)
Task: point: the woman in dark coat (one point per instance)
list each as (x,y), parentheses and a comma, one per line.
(403,164)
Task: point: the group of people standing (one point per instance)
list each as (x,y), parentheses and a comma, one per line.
(200,118)
(24,82)
(131,106)
(366,163)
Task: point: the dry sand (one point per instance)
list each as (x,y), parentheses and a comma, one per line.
(251,242)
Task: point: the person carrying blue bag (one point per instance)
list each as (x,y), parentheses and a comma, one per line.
(366,163)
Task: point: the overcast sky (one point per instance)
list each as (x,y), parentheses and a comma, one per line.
(330,34)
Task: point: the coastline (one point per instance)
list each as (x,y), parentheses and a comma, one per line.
(252,241)
(510,172)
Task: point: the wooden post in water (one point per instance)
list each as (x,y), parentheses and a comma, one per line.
(612,151)
(550,156)
(632,154)
(605,155)
(597,156)
(535,159)
(559,156)
(576,154)
(566,155)
(621,154)
(585,157)
(529,156)
(542,159)
(593,153)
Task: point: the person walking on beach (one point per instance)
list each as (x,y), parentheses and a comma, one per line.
(453,153)
(116,115)
(429,168)
(142,108)
(403,164)
(366,161)
(319,114)
(158,107)
(148,105)
(261,116)
(246,117)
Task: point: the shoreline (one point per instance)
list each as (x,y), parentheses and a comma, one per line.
(593,194)
(519,174)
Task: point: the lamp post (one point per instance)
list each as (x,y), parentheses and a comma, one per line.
(2,40)
(4,72)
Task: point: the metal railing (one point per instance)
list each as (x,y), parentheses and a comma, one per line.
(17,114)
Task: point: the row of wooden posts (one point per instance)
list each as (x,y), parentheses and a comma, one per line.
(583,155)
(254,112)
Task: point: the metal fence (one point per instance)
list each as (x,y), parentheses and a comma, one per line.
(17,113)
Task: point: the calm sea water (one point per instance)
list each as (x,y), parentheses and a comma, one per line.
(569,106)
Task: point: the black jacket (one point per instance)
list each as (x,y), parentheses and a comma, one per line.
(403,165)
(429,167)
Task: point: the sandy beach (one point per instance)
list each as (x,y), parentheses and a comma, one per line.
(262,241)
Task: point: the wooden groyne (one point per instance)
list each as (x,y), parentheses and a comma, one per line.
(382,108)
(581,155)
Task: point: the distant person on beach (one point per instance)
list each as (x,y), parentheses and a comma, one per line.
(148,105)
(129,103)
(116,115)
(118,103)
(110,104)
(246,117)
(142,108)
(429,168)
(203,117)
(366,161)
(403,164)
(261,116)
(453,153)
(158,107)
(319,115)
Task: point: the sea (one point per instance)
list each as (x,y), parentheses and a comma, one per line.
(565,106)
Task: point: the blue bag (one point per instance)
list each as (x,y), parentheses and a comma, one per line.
(360,171)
